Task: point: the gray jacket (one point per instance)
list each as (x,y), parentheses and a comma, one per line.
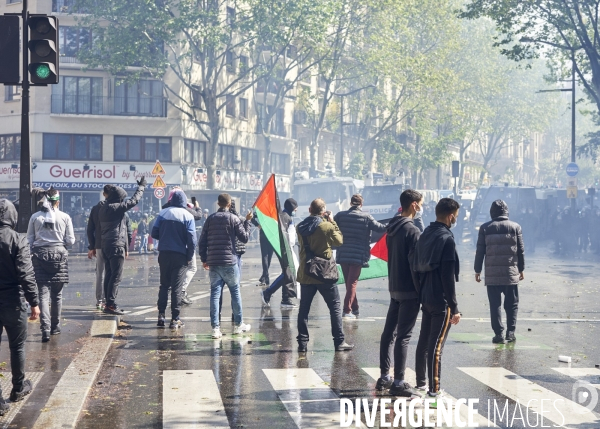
(500,242)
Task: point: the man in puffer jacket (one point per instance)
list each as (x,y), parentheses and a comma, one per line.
(356,227)
(17,285)
(500,243)
(115,242)
(50,233)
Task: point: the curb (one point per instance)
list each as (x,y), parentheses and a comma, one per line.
(68,397)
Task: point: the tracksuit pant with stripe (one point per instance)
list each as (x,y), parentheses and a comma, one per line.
(436,321)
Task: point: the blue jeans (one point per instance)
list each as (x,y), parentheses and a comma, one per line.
(144,243)
(229,275)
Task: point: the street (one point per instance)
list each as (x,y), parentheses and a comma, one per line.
(156,378)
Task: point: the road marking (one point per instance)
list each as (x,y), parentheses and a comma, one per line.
(591,375)
(411,377)
(308,399)
(15,408)
(557,409)
(67,399)
(191,398)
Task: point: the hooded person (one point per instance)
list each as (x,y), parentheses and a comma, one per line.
(115,241)
(50,233)
(285,279)
(175,229)
(17,287)
(500,244)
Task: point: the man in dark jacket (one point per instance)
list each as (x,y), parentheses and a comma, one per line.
(218,254)
(17,285)
(113,226)
(500,242)
(285,279)
(356,227)
(266,254)
(435,268)
(402,237)
(320,234)
(142,233)
(94,234)
(175,229)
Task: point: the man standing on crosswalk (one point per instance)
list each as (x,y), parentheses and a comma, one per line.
(500,242)
(435,268)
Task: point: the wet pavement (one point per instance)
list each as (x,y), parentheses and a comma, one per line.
(154,378)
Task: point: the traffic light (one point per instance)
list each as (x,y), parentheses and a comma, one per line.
(9,50)
(43,48)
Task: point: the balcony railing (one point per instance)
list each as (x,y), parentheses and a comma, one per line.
(67,6)
(116,106)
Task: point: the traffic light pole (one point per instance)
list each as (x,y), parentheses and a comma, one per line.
(25,199)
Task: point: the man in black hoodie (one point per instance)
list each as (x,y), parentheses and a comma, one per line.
(115,240)
(17,285)
(402,237)
(435,268)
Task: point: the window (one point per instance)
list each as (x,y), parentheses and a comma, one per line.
(10,147)
(72,147)
(230,16)
(136,148)
(226,156)
(195,152)
(143,98)
(280,163)
(249,160)
(243,108)
(13,1)
(197,101)
(78,95)
(279,125)
(72,39)
(243,65)
(229,62)
(230,106)
(12,92)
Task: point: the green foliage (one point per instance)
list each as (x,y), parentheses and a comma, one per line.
(356,166)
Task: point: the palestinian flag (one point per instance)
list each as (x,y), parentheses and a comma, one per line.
(378,265)
(267,210)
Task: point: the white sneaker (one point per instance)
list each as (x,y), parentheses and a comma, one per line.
(349,316)
(241,328)
(217,333)
(422,389)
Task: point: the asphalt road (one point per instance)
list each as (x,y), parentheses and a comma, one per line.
(154,378)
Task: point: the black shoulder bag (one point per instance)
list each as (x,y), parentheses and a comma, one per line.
(321,269)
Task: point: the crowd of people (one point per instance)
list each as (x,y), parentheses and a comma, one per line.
(422,273)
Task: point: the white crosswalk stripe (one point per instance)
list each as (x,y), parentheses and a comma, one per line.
(557,408)
(590,375)
(307,398)
(411,378)
(191,399)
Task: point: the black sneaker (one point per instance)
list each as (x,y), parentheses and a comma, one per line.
(55,330)
(113,309)
(344,347)
(176,323)
(404,390)
(161,320)
(289,304)
(25,390)
(510,337)
(186,300)
(498,339)
(45,336)
(384,383)
(4,406)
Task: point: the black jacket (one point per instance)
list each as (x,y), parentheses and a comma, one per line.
(500,242)
(112,217)
(435,267)
(194,211)
(356,227)
(142,228)
(217,241)
(17,280)
(94,232)
(402,237)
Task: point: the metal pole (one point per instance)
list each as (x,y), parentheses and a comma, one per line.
(25,161)
(341,136)
(573,200)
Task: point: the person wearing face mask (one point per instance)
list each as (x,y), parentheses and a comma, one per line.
(500,242)
(435,268)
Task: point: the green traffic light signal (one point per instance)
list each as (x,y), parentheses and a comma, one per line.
(42,71)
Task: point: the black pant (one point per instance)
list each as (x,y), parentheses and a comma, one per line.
(286,280)
(114,259)
(436,325)
(331,295)
(266,252)
(173,268)
(14,319)
(511,306)
(399,324)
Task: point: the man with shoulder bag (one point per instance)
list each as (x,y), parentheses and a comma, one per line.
(318,234)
